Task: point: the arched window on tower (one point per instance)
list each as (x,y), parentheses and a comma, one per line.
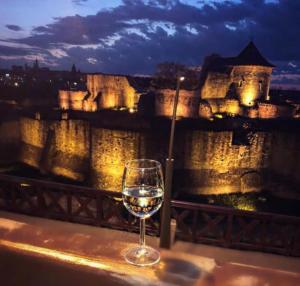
(241,82)
(260,83)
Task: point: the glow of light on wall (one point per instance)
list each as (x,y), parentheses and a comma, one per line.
(232,107)
(219,116)
(112,175)
(24,185)
(109,101)
(68,173)
(245,206)
(249,96)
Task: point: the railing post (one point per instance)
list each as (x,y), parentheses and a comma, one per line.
(69,205)
(194,227)
(165,225)
(99,209)
(229,229)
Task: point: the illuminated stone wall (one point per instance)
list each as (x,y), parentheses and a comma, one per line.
(58,147)
(207,162)
(205,110)
(252,112)
(211,164)
(111,149)
(69,99)
(113,90)
(33,137)
(64,99)
(249,82)
(70,155)
(216,85)
(188,103)
(270,111)
(222,105)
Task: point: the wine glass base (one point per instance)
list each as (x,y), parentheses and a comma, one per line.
(142,256)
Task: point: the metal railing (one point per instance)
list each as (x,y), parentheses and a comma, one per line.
(239,229)
(197,223)
(68,203)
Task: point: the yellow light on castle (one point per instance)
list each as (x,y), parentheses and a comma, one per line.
(249,96)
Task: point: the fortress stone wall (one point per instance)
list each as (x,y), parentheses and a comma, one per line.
(222,105)
(216,85)
(246,83)
(188,103)
(112,91)
(70,99)
(103,92)
(268,110)
(207,162)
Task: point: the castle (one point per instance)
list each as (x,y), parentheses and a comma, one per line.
(227,86)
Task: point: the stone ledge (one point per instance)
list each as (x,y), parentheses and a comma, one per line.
(35,251)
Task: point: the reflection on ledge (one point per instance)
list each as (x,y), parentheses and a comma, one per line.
(58,253)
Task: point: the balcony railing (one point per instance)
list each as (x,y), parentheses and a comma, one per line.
(196,223)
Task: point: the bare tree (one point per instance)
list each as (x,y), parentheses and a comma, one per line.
(167,73)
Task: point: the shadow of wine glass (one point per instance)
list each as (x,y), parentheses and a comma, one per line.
(181,272)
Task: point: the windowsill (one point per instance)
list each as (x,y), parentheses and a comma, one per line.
(35,251)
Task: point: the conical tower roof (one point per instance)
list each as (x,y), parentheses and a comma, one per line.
(250,55)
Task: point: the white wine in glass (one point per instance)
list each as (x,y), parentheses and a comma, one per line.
(143,192)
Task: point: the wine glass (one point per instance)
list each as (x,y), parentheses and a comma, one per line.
(143,192)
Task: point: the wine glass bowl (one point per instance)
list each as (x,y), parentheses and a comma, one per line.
(142,192)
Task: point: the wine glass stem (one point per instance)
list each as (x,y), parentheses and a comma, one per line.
(142,232)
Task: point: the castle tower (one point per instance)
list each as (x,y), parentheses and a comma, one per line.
(251,75)
(36,65)
(245,77)
(73,69)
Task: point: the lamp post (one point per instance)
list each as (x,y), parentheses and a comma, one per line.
(165,227)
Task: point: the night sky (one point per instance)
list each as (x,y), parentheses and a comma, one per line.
(132,36)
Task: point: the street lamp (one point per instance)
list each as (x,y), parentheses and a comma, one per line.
(165,227)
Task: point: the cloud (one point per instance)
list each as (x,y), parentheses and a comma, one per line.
(58,53)
(15,28)
(92,61)
(291,64)
(136,35)
(79,2)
